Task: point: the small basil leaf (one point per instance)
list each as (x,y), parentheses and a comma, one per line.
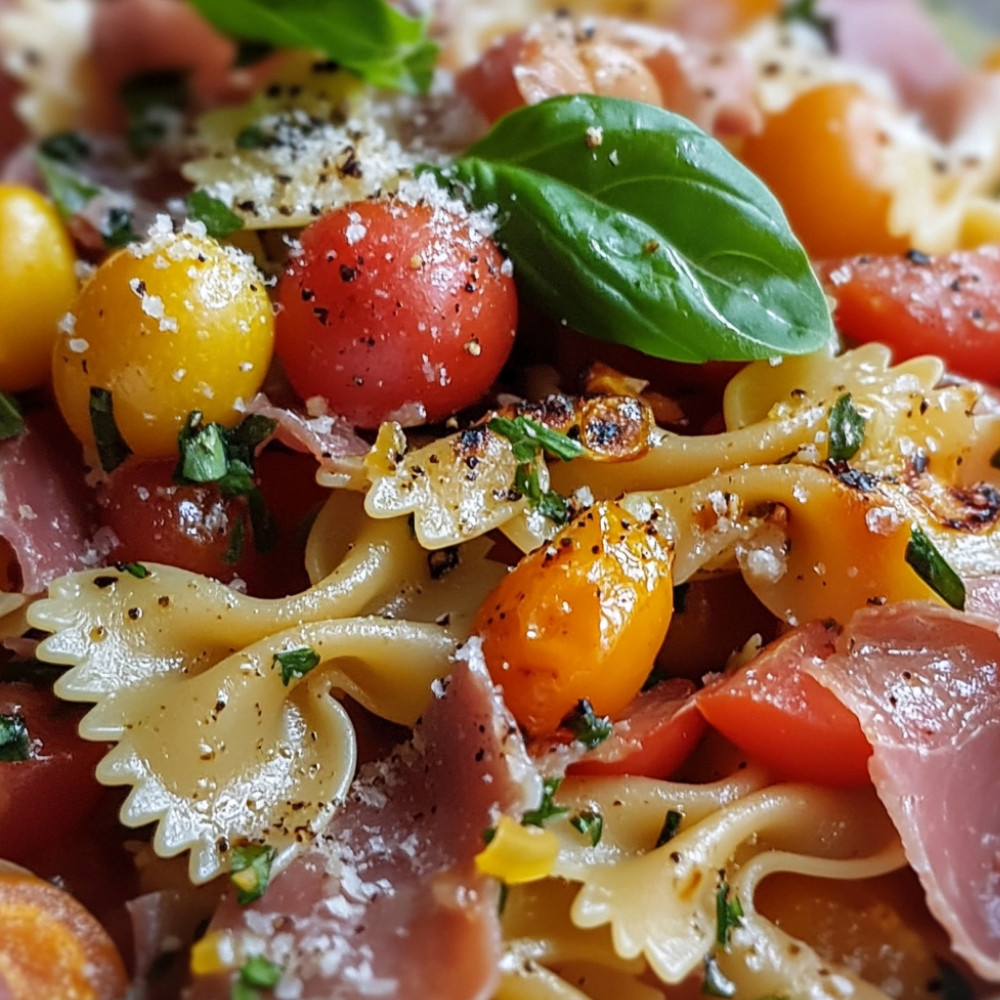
(671,824)
(296,663)
(847,429)
(587,726)
(260,972)
(135,569)
(70,191)
(203,452)
(728,914)
(146,96)
(930,566)
(547,808)
(590,823)
(14,742)
(219,220)
(250,871)
(11,421)
(371,38)
(111,447)
(66,147)
(658,238)
(117,228)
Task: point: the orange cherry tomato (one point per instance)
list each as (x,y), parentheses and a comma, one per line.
(580,618)
(51,946)
(785,718)
(819,157)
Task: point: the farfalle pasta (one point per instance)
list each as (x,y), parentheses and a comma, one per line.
(498,502)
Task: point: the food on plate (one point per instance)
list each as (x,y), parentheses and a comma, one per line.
(497,501)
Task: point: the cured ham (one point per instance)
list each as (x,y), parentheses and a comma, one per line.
(388,900)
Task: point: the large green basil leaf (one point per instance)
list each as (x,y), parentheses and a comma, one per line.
(630,224)
(368,37)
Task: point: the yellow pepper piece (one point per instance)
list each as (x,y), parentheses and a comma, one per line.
(518,853)
(213,954)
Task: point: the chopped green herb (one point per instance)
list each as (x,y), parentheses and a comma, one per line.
(146,97)
(66,147)
(257,973)
(728,914)
(14,742)
(553,506)
(547,809)
(671,824)
(590,823)
(111,447)
(117,228)
(715,983)
(296,663)
(11,421)
(923,556)
(237,538)
(847,429)
(219,220)
(254,137)
(806,12)
(69,190)
(250,871)
(135,569)
(586,726)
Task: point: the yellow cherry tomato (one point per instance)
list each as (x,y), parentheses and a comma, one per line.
(175,324)
(581,618)
(37,285)
(820,158)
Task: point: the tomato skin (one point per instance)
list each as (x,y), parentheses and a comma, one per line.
(654,737)
(395,311)
(779,714)
(947,305)
(47,798)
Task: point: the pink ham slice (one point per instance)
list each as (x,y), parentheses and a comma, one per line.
(45,505)
(388,901)
(923,680)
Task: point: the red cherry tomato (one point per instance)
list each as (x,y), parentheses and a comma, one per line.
(947,305)
(46,798)
(395,311)
(781,715)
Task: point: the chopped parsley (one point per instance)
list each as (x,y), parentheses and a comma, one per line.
(586,726)
(547,809)
(728,914)
(590,823)
(135,569)
(928,563)
(258,973)
(528,440)
(118,230)
(847,429)
(11,421)
(111,447)
(671,824)
(296,663)
(219,220)
(253,136)
(14,742)
(250,871)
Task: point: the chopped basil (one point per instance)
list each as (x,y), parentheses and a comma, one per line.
(66,147)
(847,429)
(547,809)
(254,137)
(219,220)
(930,566)
(70,191)
(671,824)
(590,823)
(728,914)
(11,421)
(146,97)
(296,663)
(117,228)
(258,973)
(586,726)
(237,538)
(250,871)
(111,447)
(805,12)
(14,742)
(135,569)
(371,39)
(715,984)
(659,239)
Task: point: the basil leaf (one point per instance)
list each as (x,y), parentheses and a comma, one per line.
(250,871)
(658,238)
(590,823)
(11,421)
(260,972)
(146,97)
(368,37)
(203,452)
(219,220)
(671,824)
(14,743)
(117,229)
(930,566)
(847,429)
(135,569)
(70,191)
(67,147)
(587,726)
(296,663)
(547,809)
(728,914)
(111,447)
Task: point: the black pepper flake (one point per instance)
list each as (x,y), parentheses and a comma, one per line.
(347,273)
(917,257)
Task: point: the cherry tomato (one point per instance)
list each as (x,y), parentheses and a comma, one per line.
(655,735)
(781,715)
(819,157)
(947,305)
(47,797)
(580,618)
(51,946)
(395,311)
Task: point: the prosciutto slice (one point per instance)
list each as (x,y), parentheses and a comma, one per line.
(925,683)
(388,901)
